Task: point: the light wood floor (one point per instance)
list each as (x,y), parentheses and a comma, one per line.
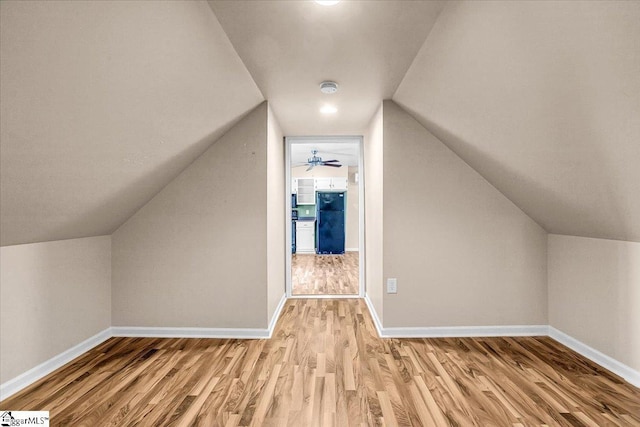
(325,366)
(324,274)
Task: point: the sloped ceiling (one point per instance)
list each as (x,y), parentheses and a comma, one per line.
(290,47)
(543,99)
(102,104)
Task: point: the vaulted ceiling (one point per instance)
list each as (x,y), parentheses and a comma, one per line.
(103,103)
(543,99)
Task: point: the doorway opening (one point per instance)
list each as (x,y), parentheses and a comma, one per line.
(325,213)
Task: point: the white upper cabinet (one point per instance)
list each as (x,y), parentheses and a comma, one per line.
(306,191)
(339,183)
(323,184)
(306,188)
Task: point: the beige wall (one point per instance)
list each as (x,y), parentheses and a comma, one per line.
(463,254)
(594,294)
(53,296)
(195,256)
(373,198)
(275,214)
(353,215)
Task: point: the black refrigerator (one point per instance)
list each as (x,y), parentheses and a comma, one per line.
(330,217)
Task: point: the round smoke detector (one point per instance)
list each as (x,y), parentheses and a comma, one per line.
(328,87)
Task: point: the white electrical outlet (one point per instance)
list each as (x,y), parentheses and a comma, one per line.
(392,286)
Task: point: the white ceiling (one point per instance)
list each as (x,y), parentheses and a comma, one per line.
(290,47)
(346,152)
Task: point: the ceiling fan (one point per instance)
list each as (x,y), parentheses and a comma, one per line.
(314,161)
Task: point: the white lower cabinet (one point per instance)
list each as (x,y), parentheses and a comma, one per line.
(305,237)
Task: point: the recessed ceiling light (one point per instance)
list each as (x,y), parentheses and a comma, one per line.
(328,109)
(328,87)
(327,2)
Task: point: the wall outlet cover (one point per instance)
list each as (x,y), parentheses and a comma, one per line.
(392,286)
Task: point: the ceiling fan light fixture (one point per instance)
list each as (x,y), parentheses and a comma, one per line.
(315,160)
(328,87)
(327,2)
(328,109)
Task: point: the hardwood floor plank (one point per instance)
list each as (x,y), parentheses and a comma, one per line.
(325,274)
(325,366)
(434,410)
(423,413)
(387,409)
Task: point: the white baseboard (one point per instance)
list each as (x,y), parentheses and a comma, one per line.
(180,332)
(34,374)
(170,332)
(374,315)
(331,296)
(629,374)
(352,250)
(276,314)
(466,331)
(455,331)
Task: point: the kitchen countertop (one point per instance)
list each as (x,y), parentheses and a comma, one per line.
(306,218)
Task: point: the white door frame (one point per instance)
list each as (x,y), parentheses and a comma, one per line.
(361,259)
